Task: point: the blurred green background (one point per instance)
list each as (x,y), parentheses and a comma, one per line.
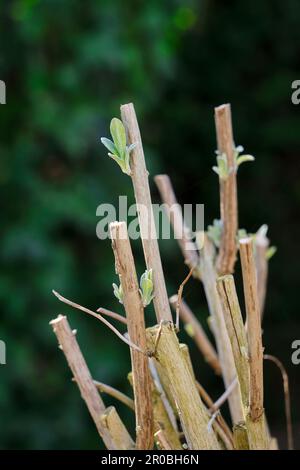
(68,65)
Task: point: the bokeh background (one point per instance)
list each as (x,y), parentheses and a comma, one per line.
(68,65)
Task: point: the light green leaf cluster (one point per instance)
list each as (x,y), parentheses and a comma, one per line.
(118,150)
(214,232)
(118,292)
(223,170)
(146,285)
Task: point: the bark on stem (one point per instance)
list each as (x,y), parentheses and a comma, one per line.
(224,350)
(142,194)
(228,192)
(125,268)
(253,329)
(67,341)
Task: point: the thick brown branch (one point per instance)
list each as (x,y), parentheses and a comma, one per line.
(140,182)
(68,344)
(253,329)
(125,268)
(228,192)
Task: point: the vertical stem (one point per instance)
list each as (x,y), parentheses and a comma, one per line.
(236,331)
(145,212)
(208,276)
(261,264)
(228,192)
(136,328)
(68,344)
(254,329)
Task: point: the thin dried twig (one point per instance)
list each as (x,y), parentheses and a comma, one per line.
(99,317)
(68,344)
(253,329)
(113,392)
(114,315)
(287,399)
(139,176)
(181,232)
(228,192)
(179,296)
(224,397)
(196,331)
(125,268)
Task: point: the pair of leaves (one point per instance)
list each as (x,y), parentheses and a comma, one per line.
(118,150)
(146,289)
(222,169)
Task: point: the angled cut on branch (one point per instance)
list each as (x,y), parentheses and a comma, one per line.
(196,331)
(139,176)
(228,191)
(68,343)
(125,268)
(181,231)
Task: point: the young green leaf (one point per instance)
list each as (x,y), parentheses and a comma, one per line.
(118,134)
(118,292)
(146,284)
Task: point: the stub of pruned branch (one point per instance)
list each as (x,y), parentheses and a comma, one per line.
(139,176)
(82,376)
(228,192)
(125,268)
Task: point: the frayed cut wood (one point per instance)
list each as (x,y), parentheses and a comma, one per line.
(228,192)
(111,420)
(191,411)
(125,268)
(82,376)
(195,330)
(142,194)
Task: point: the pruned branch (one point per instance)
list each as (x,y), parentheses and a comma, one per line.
(228,192)
(261,265)
(68,344)
(139,176)
(196,331)
(125,268)
(253,329)
(209,277)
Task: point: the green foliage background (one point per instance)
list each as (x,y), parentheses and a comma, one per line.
(68,65)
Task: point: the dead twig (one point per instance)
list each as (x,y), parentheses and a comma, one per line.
(114,315)
(99,317)
(179,296)
(113,392)
(287,399)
